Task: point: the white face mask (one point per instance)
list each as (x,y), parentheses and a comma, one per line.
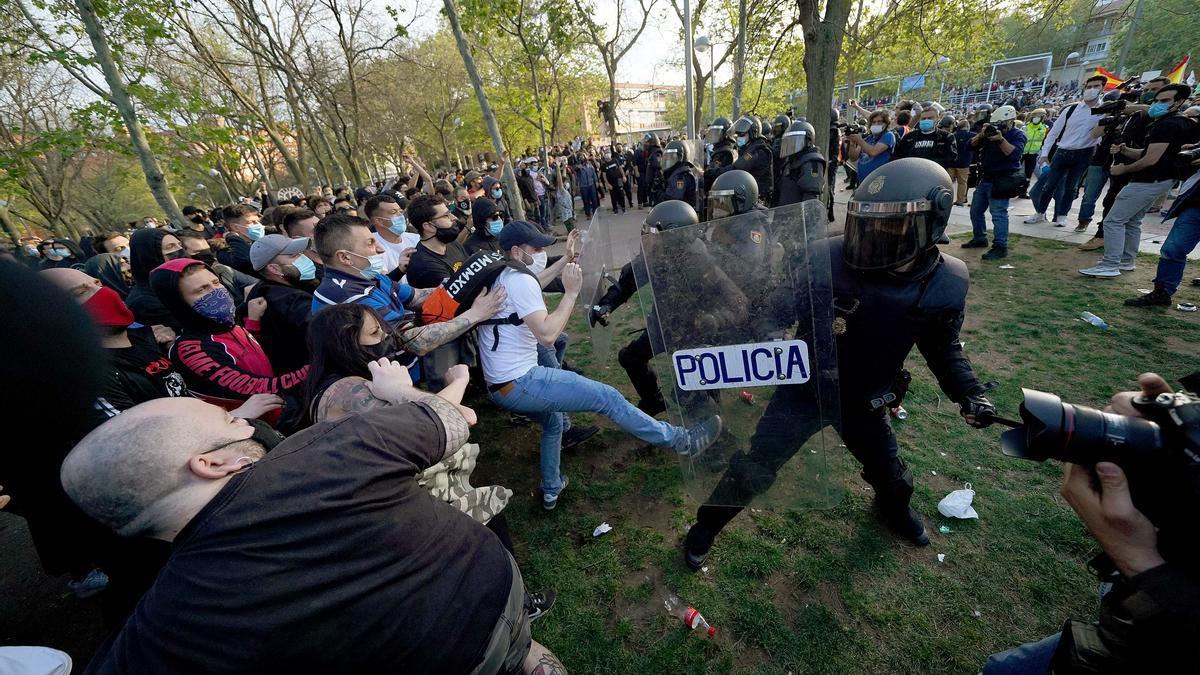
(538,264)
(1091,94)
(877,129)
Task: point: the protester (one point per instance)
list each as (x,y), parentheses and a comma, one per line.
(112,269)
(61,253)
(587,178)
(288,279)
(197,221)
(387,216)
(438,254)
(149,249)
(243,226)
(111,242)
(488,222)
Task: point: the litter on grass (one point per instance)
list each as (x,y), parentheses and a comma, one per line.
(601,529)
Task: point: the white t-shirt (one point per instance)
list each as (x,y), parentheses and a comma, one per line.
(391,252)
(517,352)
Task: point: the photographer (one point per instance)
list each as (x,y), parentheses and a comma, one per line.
(1068,149)
(999,145)
(1182,238)
(875,150)
(1151,175)
(1150,617)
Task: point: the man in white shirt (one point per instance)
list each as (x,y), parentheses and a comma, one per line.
(509,355)
(391,231)
(1073,138)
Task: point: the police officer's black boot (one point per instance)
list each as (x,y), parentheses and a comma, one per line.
(635,360)
(892,496)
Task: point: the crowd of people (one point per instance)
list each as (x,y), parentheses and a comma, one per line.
(292,378)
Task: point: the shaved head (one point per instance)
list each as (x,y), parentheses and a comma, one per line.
(78,285)
(147,471)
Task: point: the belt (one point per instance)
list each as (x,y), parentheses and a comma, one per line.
(502,387)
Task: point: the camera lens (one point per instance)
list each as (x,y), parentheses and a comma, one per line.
(1075,433)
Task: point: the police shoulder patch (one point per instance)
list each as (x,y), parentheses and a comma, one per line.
(876,184)
(756,237)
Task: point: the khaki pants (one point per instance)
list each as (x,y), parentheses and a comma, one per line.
(959,176)
(511,639)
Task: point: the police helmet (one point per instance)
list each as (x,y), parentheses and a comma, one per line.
(747,127)
(897,215)
(765,126)
(982,112)
(947,122)
(780,124)
(1037,112)
(718,130)
(798,138)
(732,193)
(1004,113)
(835,115)
(650,140)
(669,215)
(675,153)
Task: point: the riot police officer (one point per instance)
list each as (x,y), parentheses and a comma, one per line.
(755,156)
(724,150)
(734,192)
(892,290)
(650,181)
(778,127)
(681,177)
(802,173)
(635,357)
(614,172)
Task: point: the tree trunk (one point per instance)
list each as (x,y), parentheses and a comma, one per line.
(739,64)
(822,44)
(485,107)
(10,228)
(119,96)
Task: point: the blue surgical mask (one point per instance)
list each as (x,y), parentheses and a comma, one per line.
(307,268)
(376,268)
(216,305)
(495,226)
(256,231)
(399,224)
(741,140)
(925,125)
(496,193)
(1158,109)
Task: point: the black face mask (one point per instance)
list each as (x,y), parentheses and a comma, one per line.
(265,435)
(205,257)
(173,255)
(197,219)
(386,348)
(446,234)
(464,205)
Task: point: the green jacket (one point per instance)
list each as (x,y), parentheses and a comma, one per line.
(1034,135)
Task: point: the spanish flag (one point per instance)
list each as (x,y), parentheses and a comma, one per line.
(1112,81)
(1175,75)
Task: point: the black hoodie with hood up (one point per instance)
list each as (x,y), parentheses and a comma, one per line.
(145,253)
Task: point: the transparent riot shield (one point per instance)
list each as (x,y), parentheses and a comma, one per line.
(740,317)
(607,245)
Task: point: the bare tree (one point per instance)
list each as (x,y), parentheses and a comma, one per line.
(625,32)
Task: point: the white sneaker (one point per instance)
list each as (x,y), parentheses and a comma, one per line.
(1127,267)
(1100,271)
(1060,221)
(1035,218)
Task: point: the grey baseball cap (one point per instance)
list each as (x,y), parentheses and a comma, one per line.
(265,249)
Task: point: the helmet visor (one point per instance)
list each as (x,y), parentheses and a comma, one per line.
(714,134)
(793,142)
(882,242)
(720,204)
(671,157)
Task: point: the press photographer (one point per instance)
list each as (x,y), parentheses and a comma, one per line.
(1133,476)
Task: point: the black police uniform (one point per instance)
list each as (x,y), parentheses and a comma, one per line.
(802,177)
(615,173)
(937,146)
(776,167)
(639,160)
(724,154)
(879,318)
(651,179)
(757,159)
(629,166)
(682,183)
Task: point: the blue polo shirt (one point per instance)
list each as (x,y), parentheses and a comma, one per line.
(866,163)
(994,162)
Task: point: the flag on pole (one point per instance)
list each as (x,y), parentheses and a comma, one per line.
(1175,75)
(1112,81)
(1191,81)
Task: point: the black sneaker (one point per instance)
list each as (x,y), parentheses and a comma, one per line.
(519,420)
(570,367)
(537,604)
(1155,298)
(996,253)
(576,435)
(696,547)
(1196,282)
(976,243)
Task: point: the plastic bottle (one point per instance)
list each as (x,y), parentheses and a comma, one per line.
(688,615)
(1094,320)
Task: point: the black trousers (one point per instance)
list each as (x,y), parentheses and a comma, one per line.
(786,425)
(635,359)
(628,191)
(618,198)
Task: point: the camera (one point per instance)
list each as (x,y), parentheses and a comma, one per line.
(989,130)
(1160,452)
(1187,157)
(1110,107)
(849,129)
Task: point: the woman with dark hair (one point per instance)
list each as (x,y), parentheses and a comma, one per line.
(112,269)
(350,345)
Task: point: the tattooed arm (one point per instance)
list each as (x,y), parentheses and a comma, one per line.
(420,295)
(347,396)
(421,340)
(542,661)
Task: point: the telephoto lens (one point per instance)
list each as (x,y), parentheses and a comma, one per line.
(1077,434)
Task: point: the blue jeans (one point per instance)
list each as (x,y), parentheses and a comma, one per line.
(1093,183)
(552,357)
(983,201)
(1183,237)
(591,200)
(1027,659)
(1035,193)
(545,393)
(544,212)
(1067,168)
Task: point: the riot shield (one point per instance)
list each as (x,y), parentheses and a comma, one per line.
(605,251)
(740,317)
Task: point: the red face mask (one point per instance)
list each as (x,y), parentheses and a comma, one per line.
(107,309)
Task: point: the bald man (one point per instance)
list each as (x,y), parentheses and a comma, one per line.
(323,555)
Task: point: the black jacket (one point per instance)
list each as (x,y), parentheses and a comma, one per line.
(145,253)
(283,330)
(236,254)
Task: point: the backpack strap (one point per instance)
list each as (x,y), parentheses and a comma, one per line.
(510,320)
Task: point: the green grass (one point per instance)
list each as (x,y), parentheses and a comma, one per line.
(829,591)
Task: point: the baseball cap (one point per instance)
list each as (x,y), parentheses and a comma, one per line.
(265,249)
(472,176)
(520,232)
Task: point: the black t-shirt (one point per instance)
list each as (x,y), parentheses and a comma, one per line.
(325,557)
(1175,130)
(937,146)
(427,269)
(138,373)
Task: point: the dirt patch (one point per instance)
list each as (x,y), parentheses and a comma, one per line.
(831,597)
(1179,345)
(787,600)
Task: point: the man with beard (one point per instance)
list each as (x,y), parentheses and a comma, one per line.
(288,280)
